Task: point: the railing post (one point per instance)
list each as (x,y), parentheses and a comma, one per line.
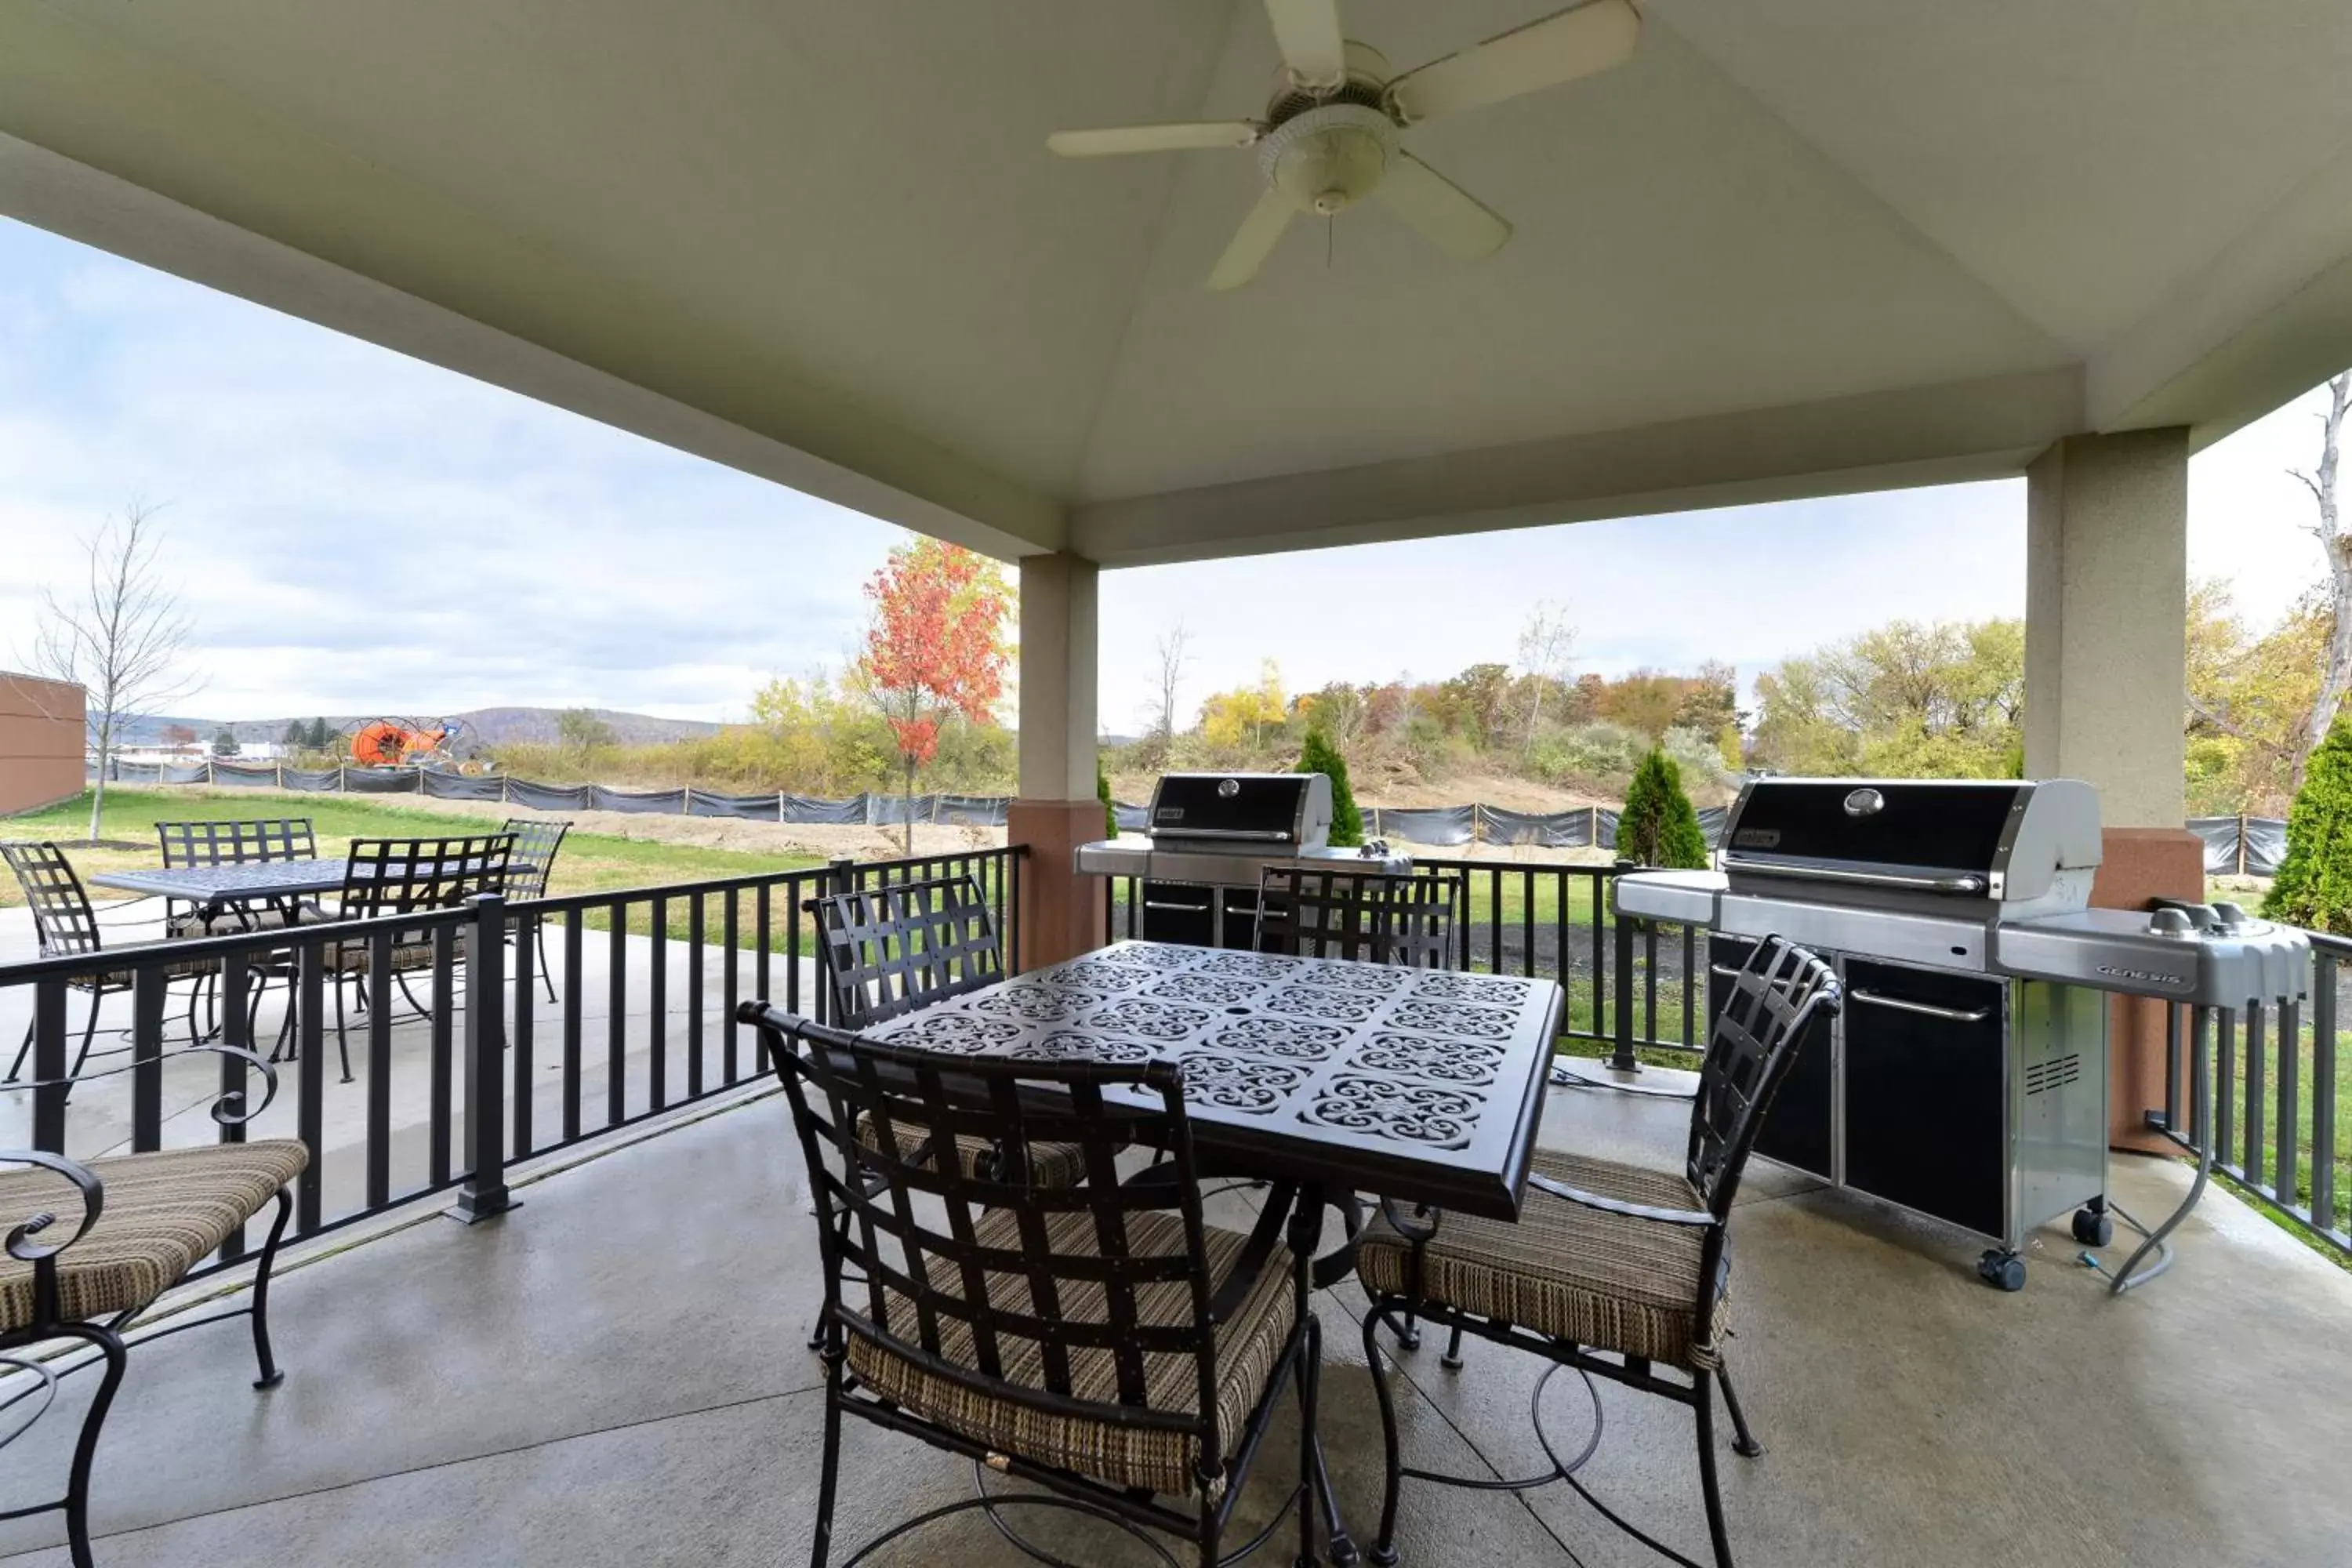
(484,1193)
(1622,1057)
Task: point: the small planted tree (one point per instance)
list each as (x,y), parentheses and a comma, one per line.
(2314,885)
(935,650)
(1110,812)
(1659,827)
(225,743)
(120,637)
(1319,755)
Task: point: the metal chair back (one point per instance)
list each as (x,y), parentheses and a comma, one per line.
(401,876)
(890,949)
(1749,1051)
(236,843)
(1369,917)
(535,840)
(62,919)
(920,1287)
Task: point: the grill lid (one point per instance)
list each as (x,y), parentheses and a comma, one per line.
(1284,810)
(2003,842)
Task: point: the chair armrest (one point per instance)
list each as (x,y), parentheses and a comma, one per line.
(1415,1228)
(230,1109)
(1691,1217)
(21,1245)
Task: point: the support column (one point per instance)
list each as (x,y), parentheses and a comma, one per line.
(1058,809)
(2107,591)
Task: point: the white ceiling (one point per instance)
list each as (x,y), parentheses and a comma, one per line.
(1793,248)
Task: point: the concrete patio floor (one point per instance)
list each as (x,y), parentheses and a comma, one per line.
(614,1374)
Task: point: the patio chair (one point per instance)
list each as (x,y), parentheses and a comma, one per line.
(1610,1259)
(395,876)
(237,844)
(1367,917)
(535,840)
(145,1221)
(66,926)
(889,950)
(1097,1338)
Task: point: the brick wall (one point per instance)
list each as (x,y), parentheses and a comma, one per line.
(41,742)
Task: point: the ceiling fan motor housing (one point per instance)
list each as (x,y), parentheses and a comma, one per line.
(1325,159)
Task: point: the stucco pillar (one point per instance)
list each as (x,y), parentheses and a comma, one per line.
(1058,809)
(2107,591)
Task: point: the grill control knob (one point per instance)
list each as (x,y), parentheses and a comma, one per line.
(2170,922)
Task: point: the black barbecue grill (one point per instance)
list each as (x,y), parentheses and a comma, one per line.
(1967,1076)
(1210,836)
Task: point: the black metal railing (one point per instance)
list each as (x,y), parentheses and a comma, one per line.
(441,1094)
(2255,1092)
(1634,985)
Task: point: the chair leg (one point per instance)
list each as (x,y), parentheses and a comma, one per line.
(1452,1360)
(821,1539)
(1310,1358)
(1383,1548)
(546,975)
(342,1039)
(401,980)
(1705,1409)
(77,1505)
(89,1033)
(1743,1442)
(271,1376)
(17,1068)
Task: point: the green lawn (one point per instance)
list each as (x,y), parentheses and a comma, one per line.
(590,862)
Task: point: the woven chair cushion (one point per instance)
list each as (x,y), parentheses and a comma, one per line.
(357,957)
(1050,1165)
(1249,1347)
(177,969)
(164,1213)
(1597,1279)
(228,923)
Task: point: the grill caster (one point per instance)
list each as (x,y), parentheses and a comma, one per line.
(2092,1227)
(2001,1268)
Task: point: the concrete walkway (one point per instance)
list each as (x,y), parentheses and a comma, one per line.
(614,1376)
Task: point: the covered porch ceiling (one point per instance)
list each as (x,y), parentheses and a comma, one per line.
(1788,249)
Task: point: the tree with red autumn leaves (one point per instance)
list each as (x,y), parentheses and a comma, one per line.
(935,649)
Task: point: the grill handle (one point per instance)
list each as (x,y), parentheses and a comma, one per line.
(1230,835)
(1949,882)
(1925,1009)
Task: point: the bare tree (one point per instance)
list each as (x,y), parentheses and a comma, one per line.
(1547,649)
(2336,545)
(121,638)
(1171,674)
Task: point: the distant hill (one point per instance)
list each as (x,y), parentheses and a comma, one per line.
(484,726)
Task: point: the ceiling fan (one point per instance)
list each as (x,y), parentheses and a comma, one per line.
(1329,135)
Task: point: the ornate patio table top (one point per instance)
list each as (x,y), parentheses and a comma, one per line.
(1420,1085)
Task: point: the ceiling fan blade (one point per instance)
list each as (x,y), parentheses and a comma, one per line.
(1447,216)
(1260,232)
(1560,47)
(1178,138)
(1308,34)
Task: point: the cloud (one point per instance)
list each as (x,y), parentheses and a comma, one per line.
(354,529)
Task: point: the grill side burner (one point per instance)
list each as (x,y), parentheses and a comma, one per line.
(1210,837)
(1967,1076)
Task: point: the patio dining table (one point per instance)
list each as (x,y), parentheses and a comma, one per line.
(213,888)
(1423,1085)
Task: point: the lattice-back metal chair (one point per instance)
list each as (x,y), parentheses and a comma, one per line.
(894,947)
(1369,917)
(145,1220)
(1098,1339)
(66,926)
(237,844)
(391,877)
(536,841)
(1611,1259)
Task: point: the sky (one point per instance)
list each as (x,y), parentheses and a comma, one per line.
(353,531)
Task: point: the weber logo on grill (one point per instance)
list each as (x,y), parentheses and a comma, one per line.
(1756,838)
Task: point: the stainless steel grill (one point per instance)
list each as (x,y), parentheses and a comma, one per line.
(1968,1077)
(1209,837)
